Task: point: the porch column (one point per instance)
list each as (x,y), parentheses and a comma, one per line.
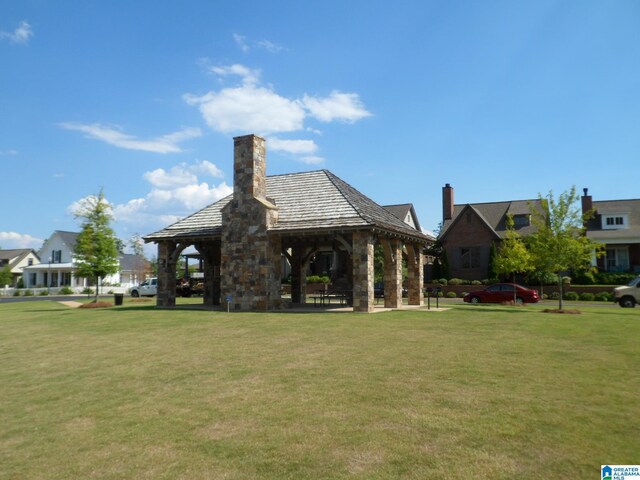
(392,273)
(363,271)
(415,261)
(210,252)
(166,274)
(298,276)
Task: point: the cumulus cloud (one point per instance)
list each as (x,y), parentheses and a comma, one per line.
(269,46)
(241,41)
(174,193)
(337,106)
(10,240)
(116,137)
(292,146)
(21,35)
(312,160)
(252,106)
(248,108)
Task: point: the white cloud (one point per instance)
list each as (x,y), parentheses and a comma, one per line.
(312,160)
(241,41)
(22,34)
(249,109)
(181,175)
(292,146)
(114,136)
(10,240)
(338,106)
(248,75)
(174,194)
(252,107)
(7,153)
(269,46)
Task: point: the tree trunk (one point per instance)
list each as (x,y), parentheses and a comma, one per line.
(561,292)
(97,287)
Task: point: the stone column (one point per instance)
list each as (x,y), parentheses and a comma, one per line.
(363,272)
(392,273)
(210,252)
(415,261)
(166,274)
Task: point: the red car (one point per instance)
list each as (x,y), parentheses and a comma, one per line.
(503,292)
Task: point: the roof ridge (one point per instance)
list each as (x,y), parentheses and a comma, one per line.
(331,176)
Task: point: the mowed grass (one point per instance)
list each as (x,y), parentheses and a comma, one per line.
(471,393)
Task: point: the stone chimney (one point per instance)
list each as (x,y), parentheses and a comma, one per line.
(249,168)
(447,202)
(587,201)
(250,257)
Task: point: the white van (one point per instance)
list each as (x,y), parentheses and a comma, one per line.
(628,295)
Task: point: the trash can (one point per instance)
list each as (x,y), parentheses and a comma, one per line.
(118,298)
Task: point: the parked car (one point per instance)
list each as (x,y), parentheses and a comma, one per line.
(628,295)
(503,292)
(148,288)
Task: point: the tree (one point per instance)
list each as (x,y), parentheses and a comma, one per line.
(559,243)
(512,256)
(6,277)
(96,248)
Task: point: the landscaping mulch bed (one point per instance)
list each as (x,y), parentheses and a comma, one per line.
(570,311)
(97,305)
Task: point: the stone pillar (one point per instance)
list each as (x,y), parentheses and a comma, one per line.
(210,252)
(298,276)
(363,272)
(392,273)
(415,272)
(167,260)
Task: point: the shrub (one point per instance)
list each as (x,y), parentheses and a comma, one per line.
(16,293)
(66,291)
(587,296)
(487,281)
(441,281)
(44,293)
(110,292)
(573,296)
(476,282)
(451,295)
(613,278)
(566,280)
(545,296)
(88,291)
(463,294)
(555,296)
(456,281)
(28,293)
(602,297)
(584,278)
(318,279)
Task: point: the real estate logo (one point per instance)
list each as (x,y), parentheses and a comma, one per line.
(620,472)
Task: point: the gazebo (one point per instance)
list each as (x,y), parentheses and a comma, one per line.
(243,238)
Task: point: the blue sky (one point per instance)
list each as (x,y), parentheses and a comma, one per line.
(501,99)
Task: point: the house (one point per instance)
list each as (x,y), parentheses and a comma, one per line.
(469,230)
(406,213)
(243,237)
(58,266)
(616,225)
(16,260)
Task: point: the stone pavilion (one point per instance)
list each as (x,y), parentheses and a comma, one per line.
(244,237)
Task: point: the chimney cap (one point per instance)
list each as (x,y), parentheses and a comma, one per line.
(586,191)
(447,185)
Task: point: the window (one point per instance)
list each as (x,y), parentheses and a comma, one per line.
(470,257)
(612,222)
(520,221)
(617,259)
(30,261)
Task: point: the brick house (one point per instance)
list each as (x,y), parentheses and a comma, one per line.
(616,224)
(243,237)
(469,230)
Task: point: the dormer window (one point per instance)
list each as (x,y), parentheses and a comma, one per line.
(614,222)
(520,221)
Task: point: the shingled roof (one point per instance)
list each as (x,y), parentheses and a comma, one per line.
(612,207)
(494,214)
(307,202)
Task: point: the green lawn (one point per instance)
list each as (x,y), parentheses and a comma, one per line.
(484,392)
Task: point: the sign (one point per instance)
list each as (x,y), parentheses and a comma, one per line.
(620,472)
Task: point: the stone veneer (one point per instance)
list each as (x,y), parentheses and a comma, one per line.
(250,257)
(363,242)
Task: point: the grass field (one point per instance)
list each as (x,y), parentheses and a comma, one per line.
(484,392)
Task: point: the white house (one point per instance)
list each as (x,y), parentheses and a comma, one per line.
(58,266)
(17,260)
